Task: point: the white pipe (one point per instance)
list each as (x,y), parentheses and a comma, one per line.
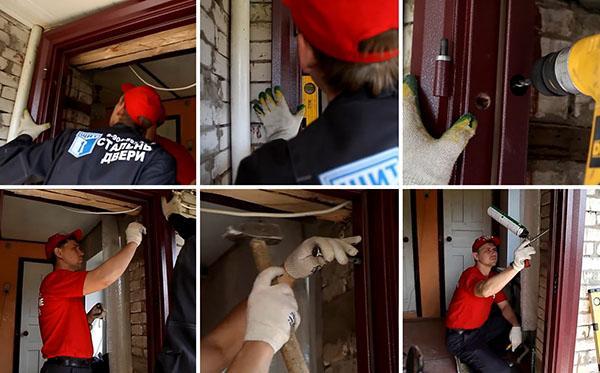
(240,82)
(25,81)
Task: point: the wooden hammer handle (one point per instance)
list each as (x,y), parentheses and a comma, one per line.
(291,351)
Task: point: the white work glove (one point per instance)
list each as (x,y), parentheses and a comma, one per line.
(96,312)
(429,161)
(272,310)
(28,127)
(134,232)
(516,337)
(523,252)
(275,115)
(315,252)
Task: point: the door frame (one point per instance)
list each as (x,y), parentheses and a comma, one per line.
(285,63)
(122,22)
(18,309)
(567,222)
(375,216)
(474,47)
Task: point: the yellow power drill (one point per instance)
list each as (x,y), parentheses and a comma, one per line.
(575,70)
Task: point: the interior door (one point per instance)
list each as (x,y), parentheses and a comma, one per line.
(30,342)
(409,300)
(465,218)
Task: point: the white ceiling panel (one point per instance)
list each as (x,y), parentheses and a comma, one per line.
(32,220)
(52,13)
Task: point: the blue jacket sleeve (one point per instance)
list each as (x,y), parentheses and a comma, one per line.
(23,162)
(270,164)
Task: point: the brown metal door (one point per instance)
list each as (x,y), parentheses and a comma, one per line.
(490,42)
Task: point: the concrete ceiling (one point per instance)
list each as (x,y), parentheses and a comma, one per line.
(49,14)
(31,220)
(175,71)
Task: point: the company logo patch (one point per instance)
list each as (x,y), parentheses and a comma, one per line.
(84,143)
(378,169)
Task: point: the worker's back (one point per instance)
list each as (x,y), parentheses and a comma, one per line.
(354,142)
(118,155)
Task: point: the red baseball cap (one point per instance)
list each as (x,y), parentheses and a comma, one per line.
(53,241)
(336,27)
(483,240)
(143,101)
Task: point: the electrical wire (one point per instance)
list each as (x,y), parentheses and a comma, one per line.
(161,88)
(85,212)
(274,214)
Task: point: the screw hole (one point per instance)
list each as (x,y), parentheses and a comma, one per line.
(483,101)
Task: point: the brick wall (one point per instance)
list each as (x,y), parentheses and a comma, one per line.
(215,122)
(215,119)
(339,330)
(560,126)
(585,351)
(13,45)
(137,299)
(544,254)
(260,60)
(78,92)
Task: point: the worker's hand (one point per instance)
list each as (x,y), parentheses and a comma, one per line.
(97,312)
(273,111)
(516,337)
(134,233)
(315,252)
(523,253)
(272,310)
(28,127)
(429,161)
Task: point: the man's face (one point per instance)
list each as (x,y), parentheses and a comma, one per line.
(70,253)
(487,254)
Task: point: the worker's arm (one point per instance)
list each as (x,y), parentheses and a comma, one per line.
(516,334)
(508,313)
(21,161)
(255,354)
(494,284)
(249,337)
(220,346)
(109,271)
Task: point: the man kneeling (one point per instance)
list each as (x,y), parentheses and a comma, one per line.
(471,325)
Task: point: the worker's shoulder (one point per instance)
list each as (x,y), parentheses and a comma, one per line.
(471,272)
(58,276)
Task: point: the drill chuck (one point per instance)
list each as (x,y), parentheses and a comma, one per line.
(551,75)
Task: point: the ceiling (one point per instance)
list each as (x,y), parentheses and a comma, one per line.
(174,71)
(25,219)
(50,14)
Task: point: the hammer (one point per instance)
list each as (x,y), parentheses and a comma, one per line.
(261,235)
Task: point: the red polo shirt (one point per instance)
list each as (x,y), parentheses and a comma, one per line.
(63,321)
(466,310)
(186,166)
